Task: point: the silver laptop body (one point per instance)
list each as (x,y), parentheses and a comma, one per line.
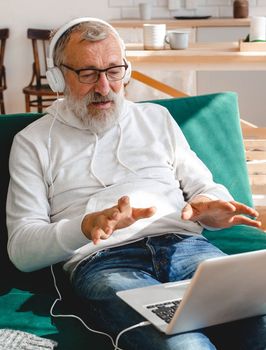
(222,289)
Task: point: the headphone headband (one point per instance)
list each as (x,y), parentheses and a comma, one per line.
(54,75)
(65,27)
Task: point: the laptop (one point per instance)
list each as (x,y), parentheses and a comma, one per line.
(223,289)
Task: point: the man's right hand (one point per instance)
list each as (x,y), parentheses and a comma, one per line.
(101,224)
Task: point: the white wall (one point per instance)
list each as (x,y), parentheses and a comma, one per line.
(18,15)
(249,85)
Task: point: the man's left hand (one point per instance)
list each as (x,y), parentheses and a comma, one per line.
(219,213)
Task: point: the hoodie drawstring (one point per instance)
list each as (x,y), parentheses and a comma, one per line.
(117,152)
(92,161)
(117,157)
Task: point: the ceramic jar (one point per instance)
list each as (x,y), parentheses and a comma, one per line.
(240,8)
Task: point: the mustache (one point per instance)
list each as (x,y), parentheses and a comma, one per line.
(95,97)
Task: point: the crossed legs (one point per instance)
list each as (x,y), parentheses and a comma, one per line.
(143,263)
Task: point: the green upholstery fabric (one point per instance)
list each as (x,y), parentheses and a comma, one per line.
(29,312)
(211,125)
(18,303)
(9,126)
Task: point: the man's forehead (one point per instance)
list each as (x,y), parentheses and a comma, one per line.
(90,53)
(79,38)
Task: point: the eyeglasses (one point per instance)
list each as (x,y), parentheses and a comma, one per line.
(92,75)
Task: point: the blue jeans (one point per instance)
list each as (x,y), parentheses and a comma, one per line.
(147,262)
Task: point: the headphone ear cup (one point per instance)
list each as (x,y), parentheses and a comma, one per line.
(55,79)
(128,73)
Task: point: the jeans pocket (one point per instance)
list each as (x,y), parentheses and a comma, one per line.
(85,263)
(180,237)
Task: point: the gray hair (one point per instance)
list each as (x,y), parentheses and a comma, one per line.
(90,31)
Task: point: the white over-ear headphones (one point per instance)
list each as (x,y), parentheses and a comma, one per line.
(54,75)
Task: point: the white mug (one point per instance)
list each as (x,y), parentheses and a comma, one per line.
(145,10)
(177,39)
(154,36)
(257,28)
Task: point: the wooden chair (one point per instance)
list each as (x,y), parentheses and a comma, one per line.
(38,94)
(4,33)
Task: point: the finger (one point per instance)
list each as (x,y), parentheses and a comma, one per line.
(219,204)
(98,233)
(114,214)
(123,203)
(187,212)
(108,230)
(142,213)
(244,209)
(243,220)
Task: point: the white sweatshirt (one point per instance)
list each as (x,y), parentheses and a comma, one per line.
(60,171)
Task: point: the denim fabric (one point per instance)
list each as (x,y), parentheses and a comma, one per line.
(150,261)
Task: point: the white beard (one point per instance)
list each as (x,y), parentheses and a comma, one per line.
(94,119)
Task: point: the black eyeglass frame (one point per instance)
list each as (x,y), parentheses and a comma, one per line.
(99,71)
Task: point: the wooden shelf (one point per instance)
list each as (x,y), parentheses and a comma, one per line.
(183,23)
(198,56)
(252,46)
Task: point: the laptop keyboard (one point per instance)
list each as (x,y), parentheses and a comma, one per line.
(165,310)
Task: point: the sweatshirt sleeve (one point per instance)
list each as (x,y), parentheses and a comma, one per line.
(34,241)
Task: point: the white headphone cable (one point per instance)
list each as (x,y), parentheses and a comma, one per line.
(75,316)
(141,324)
(50,175)
(115,344)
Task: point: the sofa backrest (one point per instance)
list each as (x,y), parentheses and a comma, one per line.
(211,124)
(9,126)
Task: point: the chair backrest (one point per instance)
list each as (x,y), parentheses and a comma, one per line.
(4,34)
(40,42)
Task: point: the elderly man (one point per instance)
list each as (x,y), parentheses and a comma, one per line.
(111,189)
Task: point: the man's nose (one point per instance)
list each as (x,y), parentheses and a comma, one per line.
(102,86)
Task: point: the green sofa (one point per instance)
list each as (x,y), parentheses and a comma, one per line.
(212,126)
